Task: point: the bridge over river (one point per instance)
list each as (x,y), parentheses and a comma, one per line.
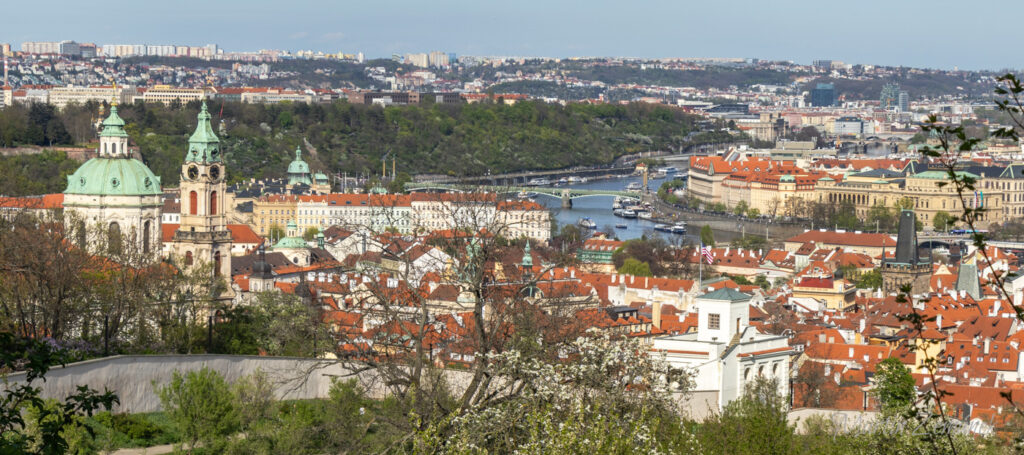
(566,194)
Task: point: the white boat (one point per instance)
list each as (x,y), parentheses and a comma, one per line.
(663,228)
(586,222)
(621,226)
(563,181)
(634,186)
(575,179)
(628,213)
(645,215)
(660,173)
(618,211)
(523,195)
(616,205)
(669,170)
(539,182)
(679,228)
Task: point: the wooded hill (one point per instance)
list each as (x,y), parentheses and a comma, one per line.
(260,140)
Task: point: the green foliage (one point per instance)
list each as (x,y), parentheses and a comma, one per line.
(462,139)
(397,185)
(741,208)
(275,232)
(35,174)
(29,424)
(762,282)
(310,233)
(201,405)
(634,267)
(749,242)
(753,213)
(870,280)
(275,324)
(943,221)
(894,386)
(707,237)
(756,423)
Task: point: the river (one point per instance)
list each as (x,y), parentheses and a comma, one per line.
(599,208)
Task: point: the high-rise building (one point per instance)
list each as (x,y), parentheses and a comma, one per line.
(420,60)
(822,64)
(890,97)
(438,59)
(903,101)
(5,49)
(823,95)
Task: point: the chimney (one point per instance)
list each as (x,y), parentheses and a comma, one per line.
(656,314)
(938,322)
(987,345)
(995,308)
(821,337)
(863,324)
(645,282)
(632,278)
(851,353)
(615,277)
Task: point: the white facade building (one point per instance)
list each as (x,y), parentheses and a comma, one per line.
(726,353)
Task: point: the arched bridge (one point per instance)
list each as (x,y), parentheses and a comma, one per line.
(566,194)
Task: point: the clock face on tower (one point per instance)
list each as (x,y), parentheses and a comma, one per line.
(215,172)
(193,172)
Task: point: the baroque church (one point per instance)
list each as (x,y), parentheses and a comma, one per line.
(122,197)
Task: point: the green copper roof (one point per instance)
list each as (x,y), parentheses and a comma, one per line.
(942,175)
(290,242)
(727,294)
(113,126)
(203,146)
(298,170)
(113,177)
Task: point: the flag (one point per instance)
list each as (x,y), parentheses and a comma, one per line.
(705,252)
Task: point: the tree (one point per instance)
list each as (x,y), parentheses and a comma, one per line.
(813,387)
(741,208)
(310,233)
(943,221)
(634,267)
(762,281)
(752,424)
(707,237)
(881,217)
(894,386)
(397,185)
(870,280)
(753,213)
(21,406)
(275,232)
(202,406)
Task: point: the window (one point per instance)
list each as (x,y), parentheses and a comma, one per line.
(193,202)
(188,258)
(114,238)
(714,321)
(213,203)
(145,236)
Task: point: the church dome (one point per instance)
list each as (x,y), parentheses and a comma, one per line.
(298,170)
(298,166)
(113,177)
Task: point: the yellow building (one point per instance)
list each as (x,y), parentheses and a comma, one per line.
(922,189)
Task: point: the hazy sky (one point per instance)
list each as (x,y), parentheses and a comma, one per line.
(935,33)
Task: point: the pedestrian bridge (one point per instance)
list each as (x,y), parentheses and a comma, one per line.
(566,194)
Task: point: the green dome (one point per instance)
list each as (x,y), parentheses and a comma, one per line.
(113,177)
(290,242)
(298,170)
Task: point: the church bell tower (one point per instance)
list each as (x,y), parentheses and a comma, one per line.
(203,235)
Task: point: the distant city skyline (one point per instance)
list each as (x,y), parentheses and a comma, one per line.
(909,33)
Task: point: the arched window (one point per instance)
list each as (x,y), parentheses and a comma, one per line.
(216,264)
(145,236)
(188,258)
(213,203)
(114,238)
(193,203)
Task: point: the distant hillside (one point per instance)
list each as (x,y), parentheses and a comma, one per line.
(259,140)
